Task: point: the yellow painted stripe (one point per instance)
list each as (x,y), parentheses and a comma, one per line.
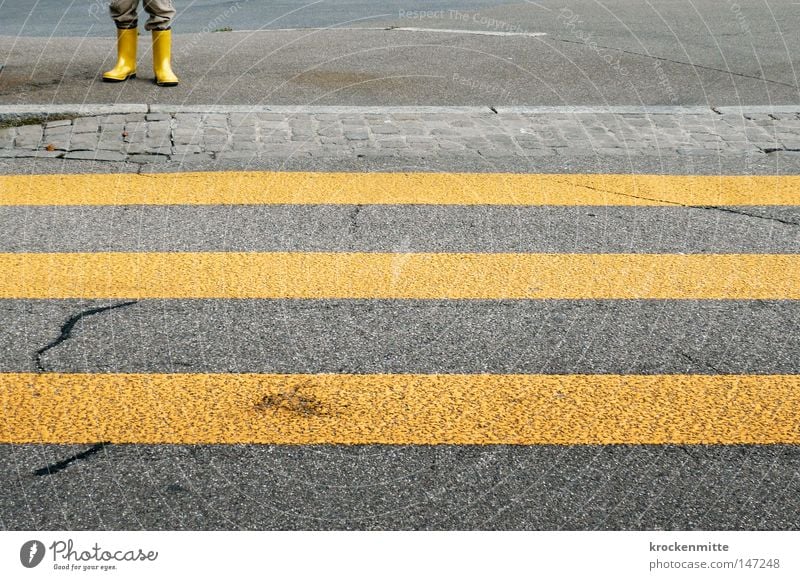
(400,409)
(422,276)
(398,188)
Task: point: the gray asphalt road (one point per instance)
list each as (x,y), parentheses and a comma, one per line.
(91,17)
(378,487)
(619,52)
(404,487)
(672,52)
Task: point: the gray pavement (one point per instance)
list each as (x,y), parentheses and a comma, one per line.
(379,487)
(405,336)
(486,229)
(678,52)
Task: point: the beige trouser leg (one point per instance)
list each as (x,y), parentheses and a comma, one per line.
(124,13)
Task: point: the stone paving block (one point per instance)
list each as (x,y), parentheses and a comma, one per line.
(282,126)
(85,125)
(7,137)
(134,138)
(330,131)
(30,131)
(61,123)
(333,140)
(214,120)
(26,142)
(242,119)
(356,135)
(244,131)
(406,116)
(420,130)
(158,117)
(326,117)
(107,131)
(385,129)
(391,142)
(86,141)
(271,116)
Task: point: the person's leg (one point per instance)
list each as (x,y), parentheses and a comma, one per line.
(160,22)
(161,14)
(124,14)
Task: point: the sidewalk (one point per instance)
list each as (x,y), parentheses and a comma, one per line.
(152,134)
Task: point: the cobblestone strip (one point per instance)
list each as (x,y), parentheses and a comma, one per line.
(202,136)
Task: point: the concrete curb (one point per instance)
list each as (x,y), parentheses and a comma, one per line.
(32,111)
(313,110)
(24,112)
(610,110)
(758,109)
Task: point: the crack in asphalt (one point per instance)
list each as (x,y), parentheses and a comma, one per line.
(353,227)
(678,204)
(64,463)
(700,362)
(664,59)
(66,329)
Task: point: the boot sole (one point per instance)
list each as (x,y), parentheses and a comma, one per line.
(112,80)
(166,84)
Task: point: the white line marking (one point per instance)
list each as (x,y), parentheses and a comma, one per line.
(401,28)
(480,32)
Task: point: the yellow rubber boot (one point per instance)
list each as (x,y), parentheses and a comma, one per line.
(126,56)
(162,54)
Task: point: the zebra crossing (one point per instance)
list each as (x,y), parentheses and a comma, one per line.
(373,326)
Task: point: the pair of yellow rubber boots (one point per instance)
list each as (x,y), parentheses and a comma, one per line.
(127,40)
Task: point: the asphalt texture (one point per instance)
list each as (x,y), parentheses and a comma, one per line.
(669,53)
(487,229)
(379,487)
(386,336)
(403,487)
